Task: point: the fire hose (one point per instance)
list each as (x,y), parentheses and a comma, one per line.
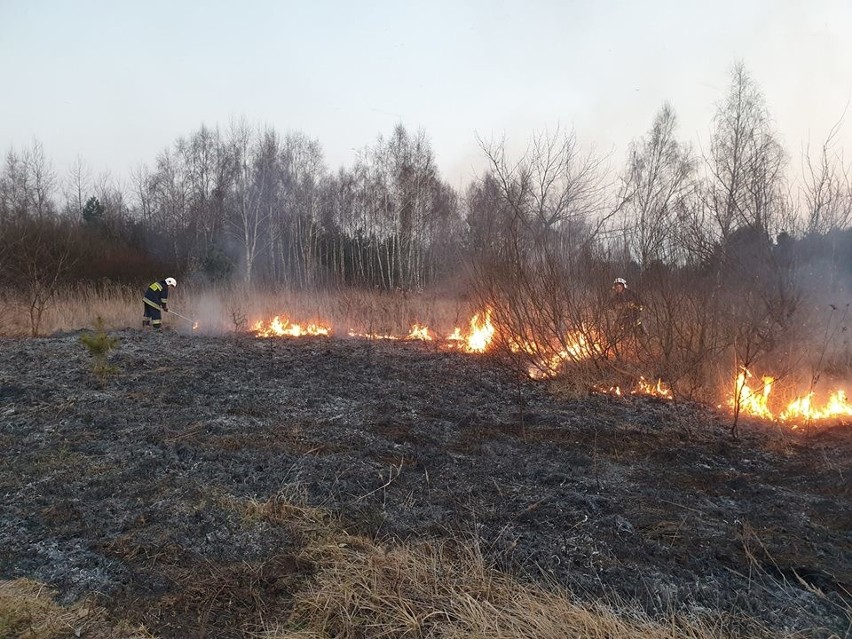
(183,317)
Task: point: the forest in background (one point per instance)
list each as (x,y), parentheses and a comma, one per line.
(736,253)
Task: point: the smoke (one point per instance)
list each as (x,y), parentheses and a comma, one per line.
(823,276)
(233,307)
(211,314)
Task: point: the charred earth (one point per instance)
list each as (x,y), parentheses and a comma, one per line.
(120,485)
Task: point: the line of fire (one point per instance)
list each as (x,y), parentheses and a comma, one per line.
(747,394)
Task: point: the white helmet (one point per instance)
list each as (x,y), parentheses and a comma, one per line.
(618,280)
(170,281)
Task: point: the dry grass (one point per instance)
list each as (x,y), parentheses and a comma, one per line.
(76,307)
(28,611)
(357,588)
(226,309)
(448,590)
(363,589)
(372,312)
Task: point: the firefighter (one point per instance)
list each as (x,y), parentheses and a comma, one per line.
(156,302)
(628,308)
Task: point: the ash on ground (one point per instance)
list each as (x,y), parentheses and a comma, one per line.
(116,487)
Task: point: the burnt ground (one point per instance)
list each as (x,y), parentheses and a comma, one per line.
(121,488)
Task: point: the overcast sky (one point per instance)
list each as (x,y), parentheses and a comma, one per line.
(116,82)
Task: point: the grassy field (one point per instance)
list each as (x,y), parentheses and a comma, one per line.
(226,309)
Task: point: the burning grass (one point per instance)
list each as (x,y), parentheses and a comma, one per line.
(226,309)
(754,397)
(418,333)
(642,387)
(279,327)
(540,345)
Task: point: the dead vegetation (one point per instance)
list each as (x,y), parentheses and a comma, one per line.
(348,586)
(28,610)
(348,488)
(449,589)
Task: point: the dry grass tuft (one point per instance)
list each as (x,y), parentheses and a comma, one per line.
(76,307)
(28,611)
(362,589)
(449,590)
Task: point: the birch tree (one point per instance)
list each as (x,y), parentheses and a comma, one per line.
(655,185)
(77,188)
(248,218)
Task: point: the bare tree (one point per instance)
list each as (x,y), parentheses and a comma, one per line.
(827,193)
(412,183)
(557,194)
(42,181)
(552,183)
(297,222)
(27,185)
(746,161)
(109,193)
(39,255)
(15,186)
(538,273)
(141,179)
(655,187)
(164,198)
(249,216)
(489,218)
(397,213)
(210,170)
(77,188)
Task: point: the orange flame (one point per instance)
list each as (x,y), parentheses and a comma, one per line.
(612,390)
(456,335)
(753,402)
(574,348)
(478,339)
(418,332)
(642,387)
(803,409)
(660,389)
(283,328)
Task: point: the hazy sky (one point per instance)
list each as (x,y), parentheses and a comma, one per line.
(116,82)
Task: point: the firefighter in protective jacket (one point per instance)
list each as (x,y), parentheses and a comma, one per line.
(628,308)
(156,302)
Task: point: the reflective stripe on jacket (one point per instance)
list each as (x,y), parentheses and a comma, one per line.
(157,294)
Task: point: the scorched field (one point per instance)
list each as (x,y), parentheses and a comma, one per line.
(235,486)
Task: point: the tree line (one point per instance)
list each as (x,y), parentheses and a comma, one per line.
(250,203)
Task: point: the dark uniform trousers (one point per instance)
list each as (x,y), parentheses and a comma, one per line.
(155,300)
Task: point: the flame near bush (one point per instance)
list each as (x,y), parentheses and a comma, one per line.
(803,410)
